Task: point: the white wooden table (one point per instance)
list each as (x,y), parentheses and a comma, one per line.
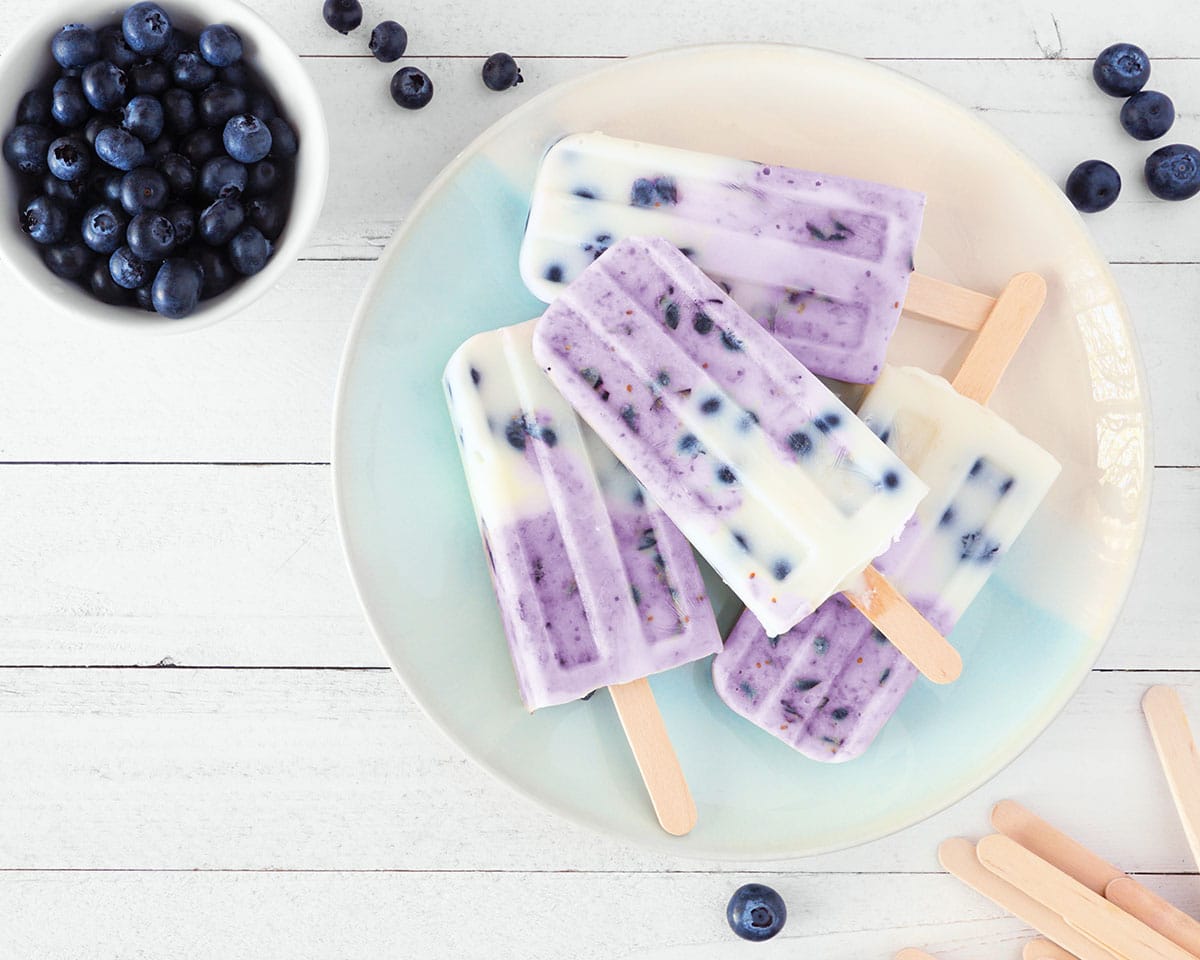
(202,753)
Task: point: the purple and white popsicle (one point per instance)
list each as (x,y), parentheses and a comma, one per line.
(821,261)
(595,585)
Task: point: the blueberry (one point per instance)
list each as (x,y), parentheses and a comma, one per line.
(143,117)
(106,185)
(67,260)
(70,193)
(249,251)
(93,127)
(104,85)
(283,139)
(147,28)
(1173,172)
(219,102)
(177,286)
(192,72)
(25,148)
(115,49)
(218,274)
(1093,186)
(222,176)
(247,139)
(183,222)
(236,74)
(102,285)
(179,173)
(178,42)
(151,236)
(68,105)
(201,145)
(500,72)
(159,149)
(75,45)
(1147,115)
(44,220)
(143,297)
(220,220)
(1121,70)
(69,158)
(103,228)
(756,912)
(143,189)
(127,270)
(411,88)
(179,111)
(269,214)
(342,15)
(262,177)
(34,108)
(220,45)
(119,148)
(389,40)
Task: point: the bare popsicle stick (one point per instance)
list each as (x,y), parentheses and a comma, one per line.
(959,858)
(1009,320)
(912,953)
(1054,846)
(1090,913)
(1041,949)
(1177,754)
(933,299)
(1155,912)
(656,759)
(903,625)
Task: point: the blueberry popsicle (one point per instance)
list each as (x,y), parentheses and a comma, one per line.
(821,261)
(828,686)
(773,480)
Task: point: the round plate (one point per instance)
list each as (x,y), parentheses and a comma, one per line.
(1076,388)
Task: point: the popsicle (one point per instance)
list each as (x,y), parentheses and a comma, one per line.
(821,261)
(828,686)
(596,587)
(772,479)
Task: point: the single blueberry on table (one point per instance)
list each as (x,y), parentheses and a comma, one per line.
(222,176)
(44,220)
(388,41)
(103,228)
(192,72)
(269,214)
(1147,115)
(756,912)
(146,27)
(69,158)
(70,193)
(75,45)
(150,77)
(68,260)
(411,88)
(34,108)
(179,111)
(115,48)
(1173,172)
(220,220)
(127,270)
(342,15)
(219,102)
(1093,186)
(25,148)
(283,139)
(183,222)
(102,285)
(68,105)
(143,189)
(179,173)
(143,117)
(220,45)
(151,236)
(104,85)
(119,148)
(1121,70)
(177,286)
(249,251)
(247,139)
(500,72)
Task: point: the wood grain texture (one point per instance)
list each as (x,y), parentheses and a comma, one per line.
(998,339)
(1052,845)
(1156,912)
(1173,739)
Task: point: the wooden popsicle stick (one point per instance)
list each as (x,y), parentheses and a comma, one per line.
(1009,320)
(912,953)
(1155,912)
(1177,754)
(910,633)
(959,858)
(656,759)
(1091,914)
(1041,949)
(1054,846)
(933,299)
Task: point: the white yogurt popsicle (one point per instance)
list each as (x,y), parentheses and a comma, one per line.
(821,261)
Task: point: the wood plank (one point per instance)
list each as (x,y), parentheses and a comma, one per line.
(334,770)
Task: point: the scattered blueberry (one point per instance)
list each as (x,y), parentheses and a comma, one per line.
(102,285)
(1173,172)
(179,173)
(1121,70)
(500,72)
(75,45)
(143,117)
(248,251)
(34,108)
(143,189)
(104,85)
(1147,115)
(176,289)
(192,72)
(25,148)
(115,48)
(151,236)
(389,40)
(179,111)
(220,45)
(44,220)
(151,77)
(283,139)
(219,102)
(342,15)
(119,148)
(756,912)
(411,88)
(127,270)
(222,176)
(146,27)
(247,139)
(68,105)
(220,220)
(68,260)
(69,158)
(1093,186)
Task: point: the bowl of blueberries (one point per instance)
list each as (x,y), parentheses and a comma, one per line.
(163,163)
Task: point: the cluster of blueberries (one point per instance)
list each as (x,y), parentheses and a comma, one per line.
(411,87)
(156,169)
(1172,172)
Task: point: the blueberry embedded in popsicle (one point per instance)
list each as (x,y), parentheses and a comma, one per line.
(554,273)
(730,342)
(702,323)
(781,569)
(725,474)
(800,442)
(711,405)
(689,443)
(655,192)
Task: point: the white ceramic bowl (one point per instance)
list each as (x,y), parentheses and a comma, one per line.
(27,63)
